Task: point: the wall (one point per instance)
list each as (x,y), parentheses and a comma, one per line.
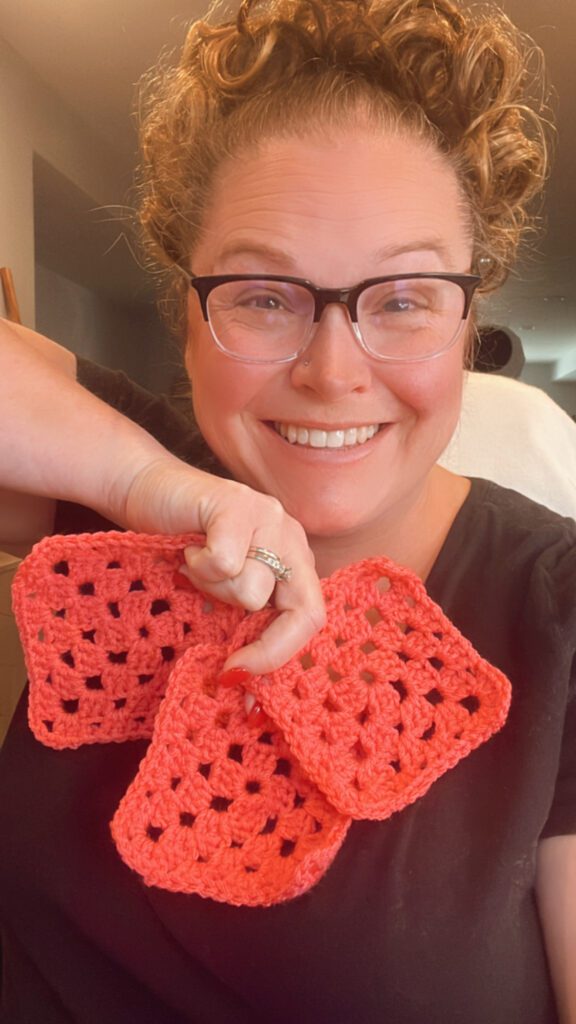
(33,119)
(563,392)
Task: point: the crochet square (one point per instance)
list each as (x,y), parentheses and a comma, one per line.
(102,625)
(218,807)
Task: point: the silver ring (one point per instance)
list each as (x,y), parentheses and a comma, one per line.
(282,573)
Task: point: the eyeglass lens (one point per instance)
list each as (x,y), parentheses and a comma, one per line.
(265,321)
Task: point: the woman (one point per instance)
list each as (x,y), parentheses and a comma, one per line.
(383,152)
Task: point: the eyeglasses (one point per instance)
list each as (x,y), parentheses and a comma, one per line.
(399,318)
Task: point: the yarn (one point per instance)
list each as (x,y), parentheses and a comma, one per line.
(379,704)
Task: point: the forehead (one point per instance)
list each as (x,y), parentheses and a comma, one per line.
(356,200)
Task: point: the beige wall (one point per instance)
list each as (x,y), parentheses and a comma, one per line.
(33,119)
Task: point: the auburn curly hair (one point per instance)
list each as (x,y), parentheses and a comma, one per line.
(466,80)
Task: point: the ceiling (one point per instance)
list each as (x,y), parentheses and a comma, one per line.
(93,53)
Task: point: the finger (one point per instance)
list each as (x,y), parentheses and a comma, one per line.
(302,614)
(252,589)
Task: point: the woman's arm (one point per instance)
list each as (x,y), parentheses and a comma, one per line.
(556,895)
(59,441)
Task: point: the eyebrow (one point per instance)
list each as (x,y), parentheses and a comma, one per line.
(283,260)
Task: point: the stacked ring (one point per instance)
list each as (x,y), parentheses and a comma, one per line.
(282,573)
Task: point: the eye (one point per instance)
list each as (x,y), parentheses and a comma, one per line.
(270,301)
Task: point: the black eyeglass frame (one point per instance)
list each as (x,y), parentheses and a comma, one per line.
(327,296)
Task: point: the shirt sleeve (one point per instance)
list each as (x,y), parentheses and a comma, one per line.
(155,413)
(562,817)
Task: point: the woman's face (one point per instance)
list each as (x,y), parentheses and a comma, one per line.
(334,212)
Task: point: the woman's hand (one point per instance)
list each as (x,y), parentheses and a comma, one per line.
(167,496)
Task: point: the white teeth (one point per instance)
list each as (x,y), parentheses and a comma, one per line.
(326,438)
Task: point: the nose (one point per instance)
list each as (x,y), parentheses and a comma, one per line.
(333,363)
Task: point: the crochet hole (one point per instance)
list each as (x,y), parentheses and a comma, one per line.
(363,717)
(399,728)
(367,676)
(120,703)
(60,614)
(41,636)
(86,589)
(159,606)
(154,832)
(61,568)
(287,847)
(167,653)
(136,585)
(49,725)
(187,819)
(117,657)
(436,663)
(70,706)
(250,870)
(204,769)
(330,705)
(113,565)
(144,633)
(186,628)
(175,782)
(114,609)
(235,752)
(429,732)
(317,825)
(191,737)
(368,647)
(403,656)
(253,786)
(265,737)
(383,584)
(222,719)
(401,690)
(471,704)
(220,803)
(90,635)
(49,678)
(339,641)
(434,696)
(299,800)
(373,616)
(307,661)
(235,845)
(145,678)
(395,765)
(93,683)
(359,751)
(333,674)
(439,636)
(283,767)
(68,658)
(207,607)
(140,719)
(269,827)
(402,627)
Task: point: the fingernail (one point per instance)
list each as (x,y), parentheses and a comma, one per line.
(182,582)
(234,676)
(257,716)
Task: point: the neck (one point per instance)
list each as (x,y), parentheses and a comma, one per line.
(411,534)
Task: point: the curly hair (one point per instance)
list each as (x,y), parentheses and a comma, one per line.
(465,80)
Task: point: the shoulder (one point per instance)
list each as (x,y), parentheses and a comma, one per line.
(523,539)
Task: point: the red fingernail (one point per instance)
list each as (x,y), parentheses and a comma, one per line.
(234,676)
(256,717)
(183,583)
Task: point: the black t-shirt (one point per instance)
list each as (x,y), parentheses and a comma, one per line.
(426,918)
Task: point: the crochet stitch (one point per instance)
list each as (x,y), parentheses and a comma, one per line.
(380,703)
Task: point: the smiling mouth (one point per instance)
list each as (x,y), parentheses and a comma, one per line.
(348,437)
